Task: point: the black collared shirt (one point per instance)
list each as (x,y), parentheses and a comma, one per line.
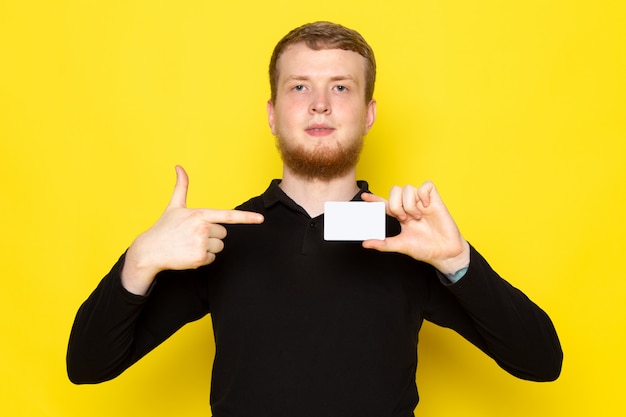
(307,327)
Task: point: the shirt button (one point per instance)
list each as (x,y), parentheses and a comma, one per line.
(312,224)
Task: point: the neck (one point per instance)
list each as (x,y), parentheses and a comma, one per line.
(311,194)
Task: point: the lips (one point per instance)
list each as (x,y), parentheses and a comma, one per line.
(319,130)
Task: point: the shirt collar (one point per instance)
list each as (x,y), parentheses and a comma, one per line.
(274,194)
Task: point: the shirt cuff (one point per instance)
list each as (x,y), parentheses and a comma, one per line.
(452,278)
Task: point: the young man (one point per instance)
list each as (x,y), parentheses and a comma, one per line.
(305,326)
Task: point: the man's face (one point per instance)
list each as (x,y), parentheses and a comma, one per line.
(320,116)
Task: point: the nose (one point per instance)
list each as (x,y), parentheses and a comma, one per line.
(320,104)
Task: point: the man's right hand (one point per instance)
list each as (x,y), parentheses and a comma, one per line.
(181,239)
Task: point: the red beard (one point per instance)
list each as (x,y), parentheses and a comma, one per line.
(321,163)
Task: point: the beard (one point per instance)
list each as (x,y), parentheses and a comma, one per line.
(322,163)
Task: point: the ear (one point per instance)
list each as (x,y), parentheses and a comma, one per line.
(270,115)
(370,115)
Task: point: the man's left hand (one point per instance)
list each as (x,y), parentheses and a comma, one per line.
(428,231)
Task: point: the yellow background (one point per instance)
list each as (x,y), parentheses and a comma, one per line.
(515,109)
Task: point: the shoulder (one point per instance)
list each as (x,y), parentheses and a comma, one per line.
(253,204)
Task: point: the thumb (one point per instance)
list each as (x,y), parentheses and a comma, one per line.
(179,196)
(387,245)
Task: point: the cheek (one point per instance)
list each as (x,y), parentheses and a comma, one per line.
(355,117)
(289,114)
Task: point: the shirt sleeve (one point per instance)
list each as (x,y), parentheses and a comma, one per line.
(500,320)
(114,328)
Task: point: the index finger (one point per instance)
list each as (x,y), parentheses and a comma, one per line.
(373,198)
(232,216)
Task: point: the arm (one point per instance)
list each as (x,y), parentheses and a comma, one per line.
(115,328)
(500,320)
(126,316)
(488,311)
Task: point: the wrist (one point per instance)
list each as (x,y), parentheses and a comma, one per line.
(457,265)
(137,275)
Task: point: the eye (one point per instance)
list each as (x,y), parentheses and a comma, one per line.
(299,87)
(341,88)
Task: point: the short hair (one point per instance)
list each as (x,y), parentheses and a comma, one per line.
(326,35)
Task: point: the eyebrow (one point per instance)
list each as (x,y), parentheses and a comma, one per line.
(333,78)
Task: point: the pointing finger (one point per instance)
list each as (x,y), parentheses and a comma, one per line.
(179,196)
(232,217)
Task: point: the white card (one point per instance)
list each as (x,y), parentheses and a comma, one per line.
(354,220)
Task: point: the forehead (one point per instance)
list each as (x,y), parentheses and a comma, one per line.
(298,60)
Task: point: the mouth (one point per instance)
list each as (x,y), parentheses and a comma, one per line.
(319,130)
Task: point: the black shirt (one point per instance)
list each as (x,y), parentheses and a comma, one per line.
(307,327)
